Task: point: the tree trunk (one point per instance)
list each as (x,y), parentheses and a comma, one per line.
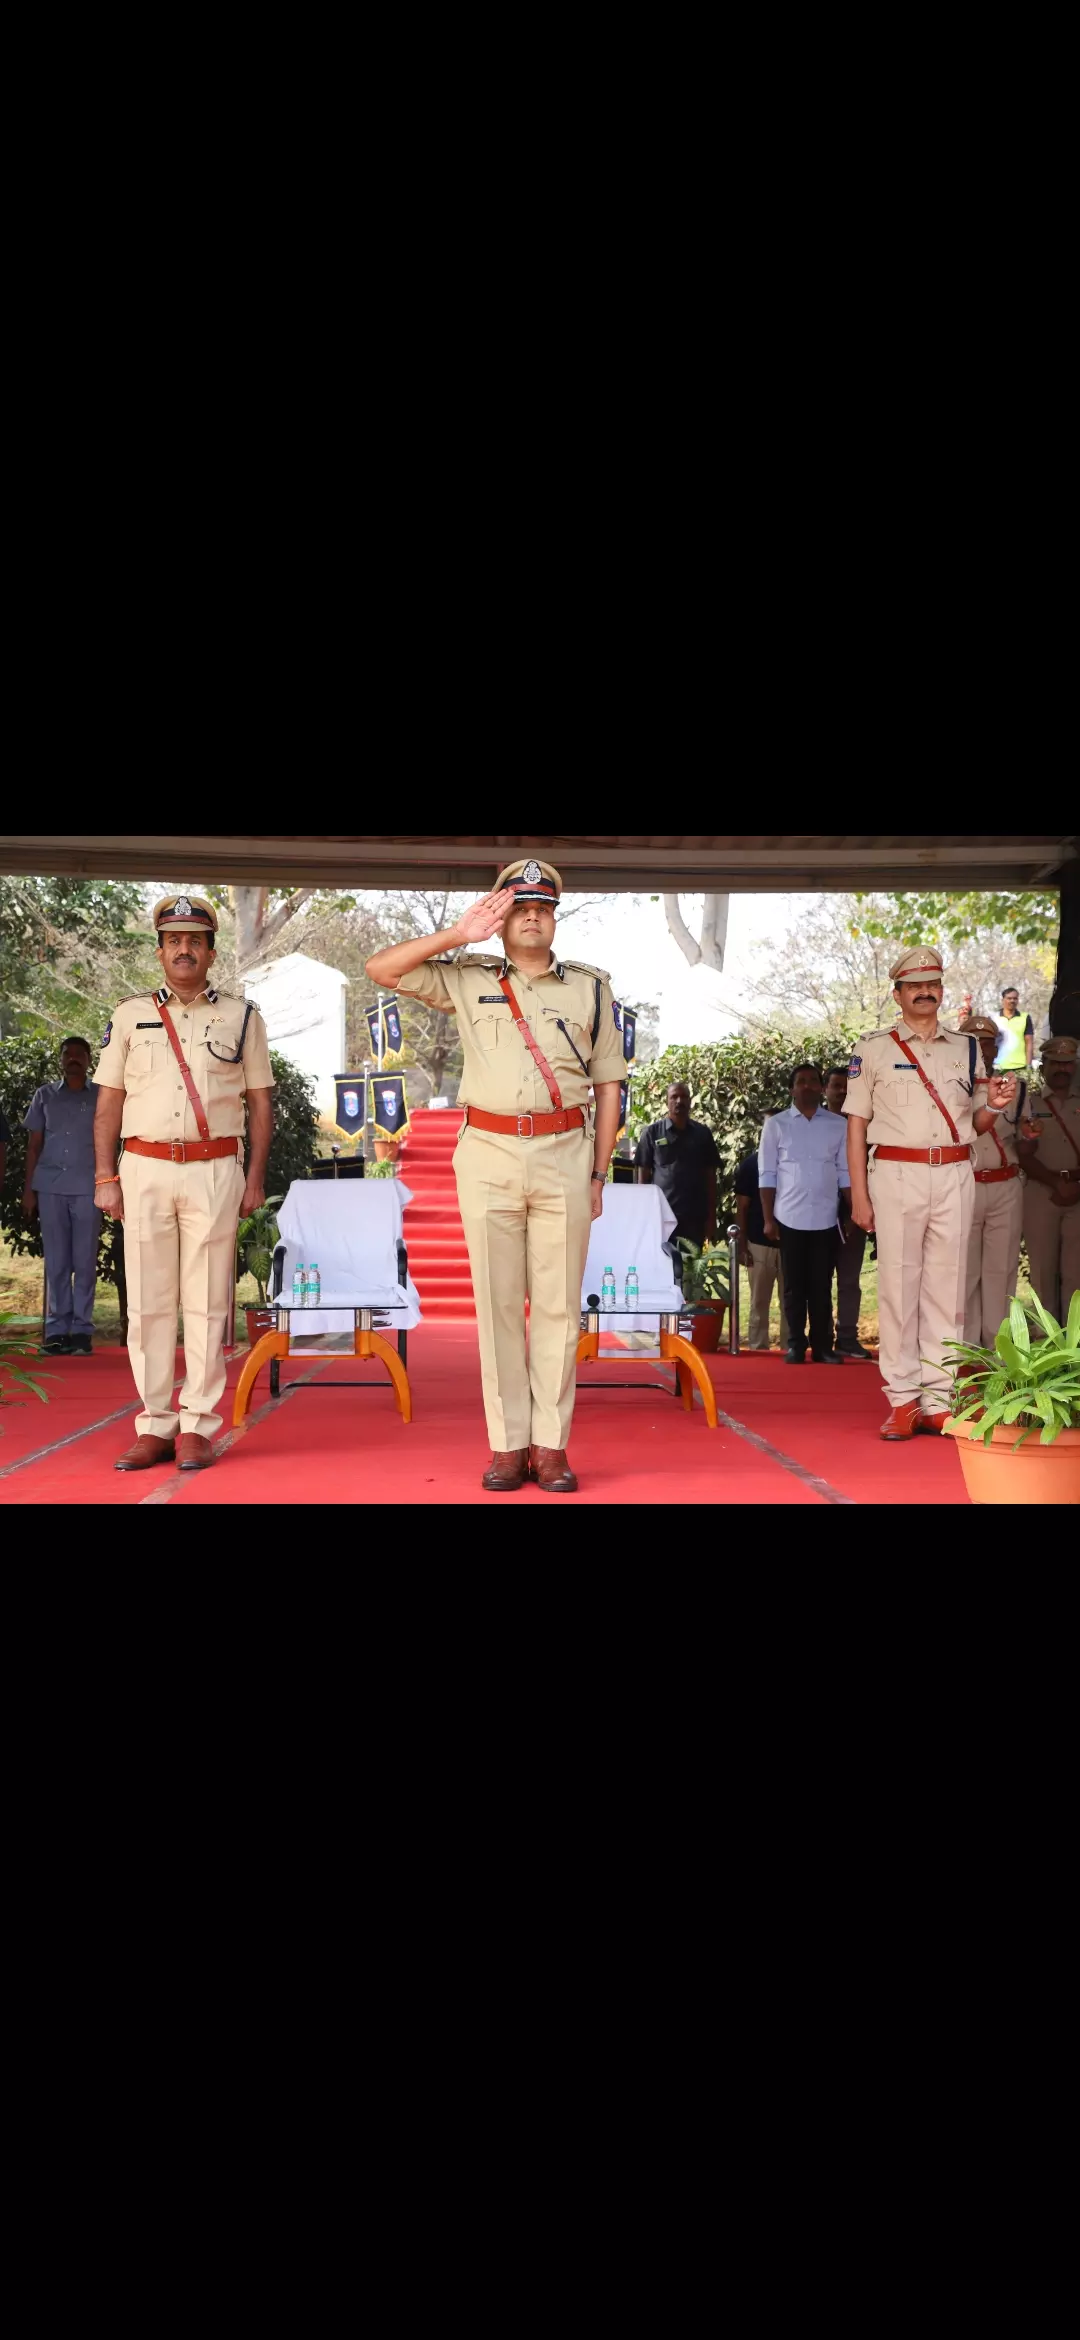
(709,952)
(249,903)
(1065,1004)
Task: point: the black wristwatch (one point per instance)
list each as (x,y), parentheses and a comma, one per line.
(600,1177)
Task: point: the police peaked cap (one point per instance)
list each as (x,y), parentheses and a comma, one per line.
(185,910)
(532,881)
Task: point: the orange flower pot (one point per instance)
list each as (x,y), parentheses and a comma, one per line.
(1005,1473)
(707,1329)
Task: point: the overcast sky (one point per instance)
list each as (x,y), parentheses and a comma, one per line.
(632,942)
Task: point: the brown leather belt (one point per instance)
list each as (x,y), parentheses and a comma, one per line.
(931,1154)
(994,1177)
(185,1149)
(513,1124)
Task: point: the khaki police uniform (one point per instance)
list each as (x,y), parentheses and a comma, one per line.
(1052,1230)
(997,1221)
(180,1217)
(526,1200)
(922,1210)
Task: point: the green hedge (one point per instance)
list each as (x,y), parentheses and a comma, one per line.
(733,1084)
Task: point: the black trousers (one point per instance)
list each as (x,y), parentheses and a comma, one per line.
(806,1259)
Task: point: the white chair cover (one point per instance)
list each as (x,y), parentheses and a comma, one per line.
(636,1223)
(351,1228)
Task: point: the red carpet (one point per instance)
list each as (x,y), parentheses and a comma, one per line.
(438,1259)
(817,1426)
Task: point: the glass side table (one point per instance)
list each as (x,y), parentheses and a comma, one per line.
(688,1362)
(366,1343)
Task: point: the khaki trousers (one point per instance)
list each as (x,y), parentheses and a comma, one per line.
(993,1259)
(526,1210)
(923,1218)
(764,1273)
(1053,1241)
(180,1221)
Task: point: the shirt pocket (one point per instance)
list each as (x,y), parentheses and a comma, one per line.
(145,1058)
(569,1050)
(485,1026)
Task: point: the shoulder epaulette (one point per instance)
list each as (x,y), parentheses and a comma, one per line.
(581,967)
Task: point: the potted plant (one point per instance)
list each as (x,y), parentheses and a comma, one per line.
(1002,1396)
(705,1288)
(255,1240)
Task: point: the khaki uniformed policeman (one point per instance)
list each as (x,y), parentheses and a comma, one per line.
(181,1188)
(530,1168)
(997,1222)
(1052,1193)
(919,1191)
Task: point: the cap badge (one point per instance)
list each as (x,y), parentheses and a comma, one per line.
(182,907)
(532,873)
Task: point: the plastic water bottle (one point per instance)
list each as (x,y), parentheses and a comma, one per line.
(631,1287)
(314,1285)
(299,1285)
(607,1288)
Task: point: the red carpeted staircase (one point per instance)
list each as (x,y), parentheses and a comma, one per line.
(438,1259)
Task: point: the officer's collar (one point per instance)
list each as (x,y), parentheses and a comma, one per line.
(554,967)
(166,993)
(908,1032)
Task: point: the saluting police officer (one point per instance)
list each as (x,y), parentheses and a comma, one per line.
(535,1031)
(174,1070)
(912,1094)
(1052,1164)
(997,1222)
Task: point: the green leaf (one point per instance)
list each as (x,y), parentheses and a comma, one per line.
(1018,1326)
(1072,1330)
(1048,1322)
(1010,1355)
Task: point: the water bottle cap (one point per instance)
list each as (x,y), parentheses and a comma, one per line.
(609,1271)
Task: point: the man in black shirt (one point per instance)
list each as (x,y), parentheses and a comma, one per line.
(680,1156)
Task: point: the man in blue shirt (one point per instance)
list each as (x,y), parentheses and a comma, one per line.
(59,1185)
(803,1173)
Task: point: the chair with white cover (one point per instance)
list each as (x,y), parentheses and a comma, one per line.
(634,1225)
(354,1229)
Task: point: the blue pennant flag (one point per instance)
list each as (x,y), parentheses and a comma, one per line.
(391,1111)
(392,1043)
(350,1102)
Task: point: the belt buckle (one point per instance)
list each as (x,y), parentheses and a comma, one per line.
(935,1157)
(177,1155)
(522,1133)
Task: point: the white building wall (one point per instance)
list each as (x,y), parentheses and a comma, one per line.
(303,1003)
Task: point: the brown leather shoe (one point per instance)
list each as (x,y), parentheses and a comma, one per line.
(931,1424)
(192,1452)
(902,1420)
(549,1467)
(145,1453)
(506,1470)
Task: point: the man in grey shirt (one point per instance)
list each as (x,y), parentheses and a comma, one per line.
(59,1185)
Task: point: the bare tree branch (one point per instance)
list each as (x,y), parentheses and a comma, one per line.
(709,952)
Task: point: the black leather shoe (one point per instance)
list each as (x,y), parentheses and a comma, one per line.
(858,1355)
(795,1357)
(58,1348)
(827,1357)
(80,1345)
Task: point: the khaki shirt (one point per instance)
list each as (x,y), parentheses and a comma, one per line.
(136,1056)
(987,1156)
(1055,1153)
(501,1075)
(884,1089)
